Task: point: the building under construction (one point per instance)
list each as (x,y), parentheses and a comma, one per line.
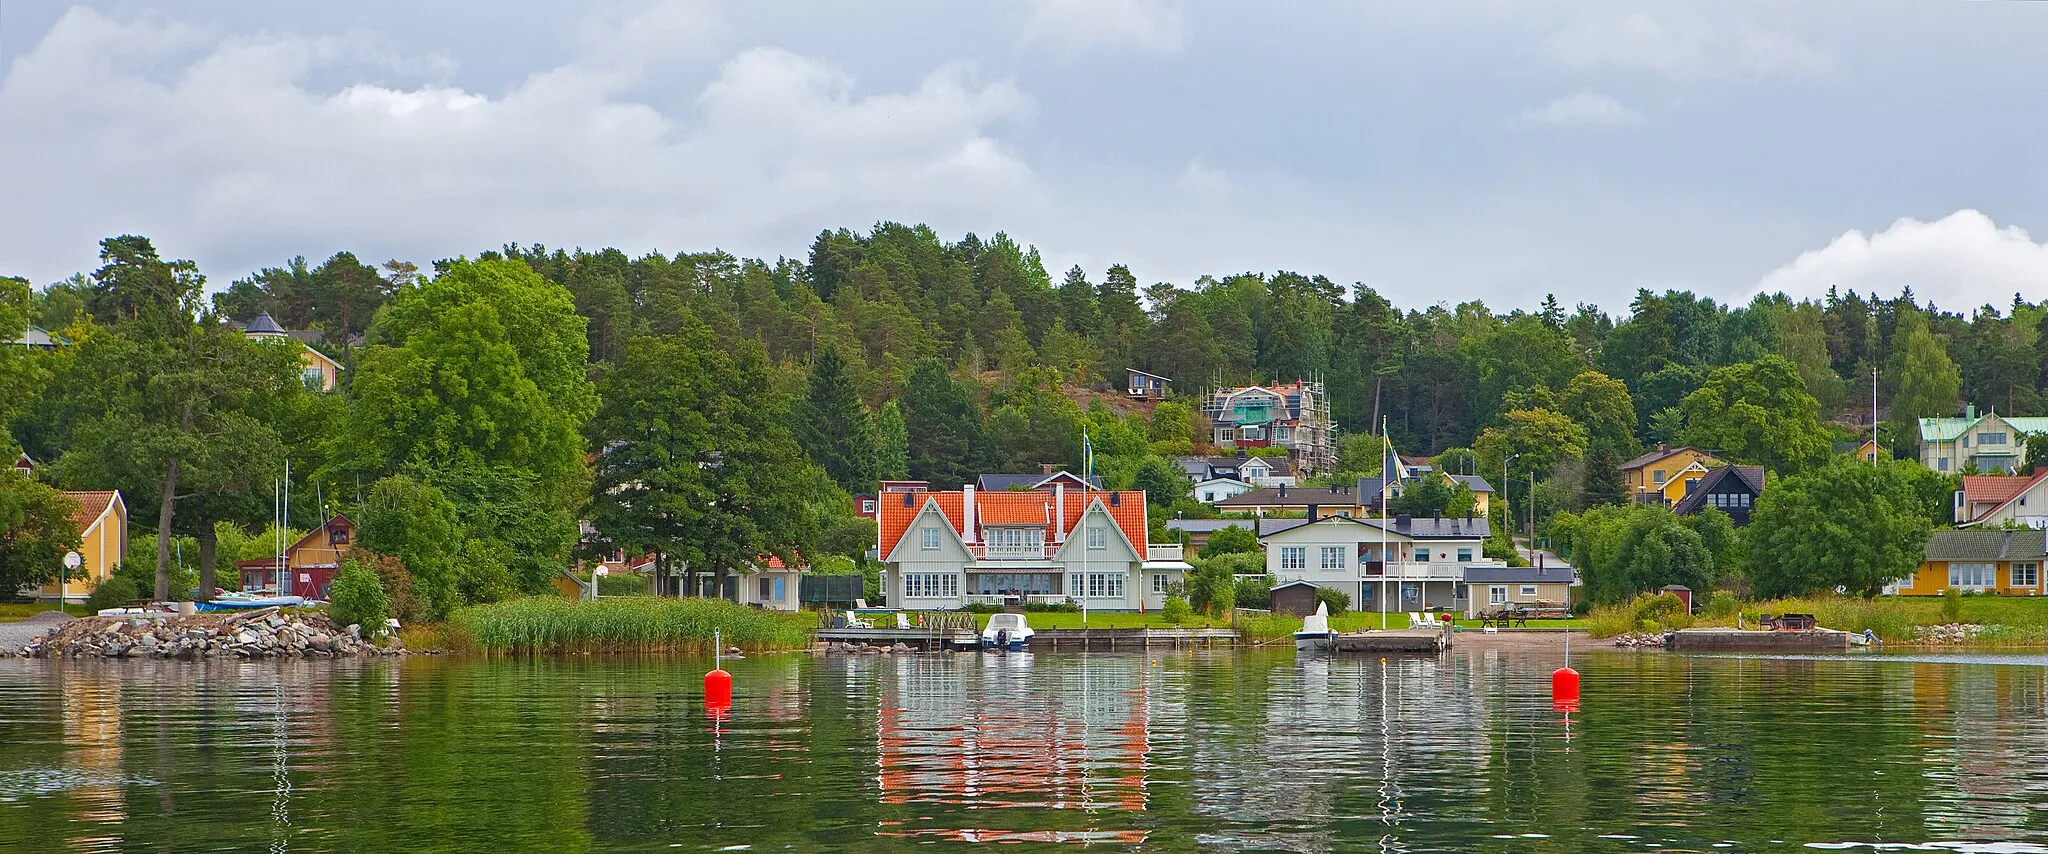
(1295,416)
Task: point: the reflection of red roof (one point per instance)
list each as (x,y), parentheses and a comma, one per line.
(91,506)
(1036,507)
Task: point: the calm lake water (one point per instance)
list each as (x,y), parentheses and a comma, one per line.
(1172,751)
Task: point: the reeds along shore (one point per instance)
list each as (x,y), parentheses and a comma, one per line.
(626,624)
(1985,621)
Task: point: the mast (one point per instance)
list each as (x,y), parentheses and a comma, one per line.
(1386,471)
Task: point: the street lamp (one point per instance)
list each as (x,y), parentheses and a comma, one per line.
(72,560)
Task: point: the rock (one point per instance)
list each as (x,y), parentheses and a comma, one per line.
(244,638)
(900,647)
(355,631)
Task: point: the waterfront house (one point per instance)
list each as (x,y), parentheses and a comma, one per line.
(1045,478)
(306,567)
(1730,489)
(770,584)
(1295,416)
(1647,475)
(2002,500)
(2004,561)
(1987,443)
(322,372)
(1421,562)
(1144,386)
(944,550)
(1498,588)
(102,519)
(1314,501)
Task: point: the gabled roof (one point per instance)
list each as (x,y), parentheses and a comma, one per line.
(1297,496)
(91,506)
(1659,453)
(1749,478)
(36,336)
(1552,574)
(1421,528)
(1034,480)
(1988,545)
(1978,489)
(1033,508)
(1952,428)
(1299,582)
(1473,482)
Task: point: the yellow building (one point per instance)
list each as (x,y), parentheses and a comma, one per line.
(321,372)
(1680,485)
(2004,561)
(1655,471)
(102,519)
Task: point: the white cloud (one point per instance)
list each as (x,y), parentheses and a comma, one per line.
(1204,181)
(1678,42)
(1584,108)
(1960,261)
(1076,26)
(220,149)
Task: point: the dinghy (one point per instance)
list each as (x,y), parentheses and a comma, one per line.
(245,602)
(1315,634)
(1006,632)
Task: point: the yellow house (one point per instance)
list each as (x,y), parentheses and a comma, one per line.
(102,519)
(1680,485)
(321,372)
(1654,471)
(2004,561)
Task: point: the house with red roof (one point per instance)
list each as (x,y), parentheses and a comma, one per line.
(102,519)
(944,550)
(304,568)
(1998,501)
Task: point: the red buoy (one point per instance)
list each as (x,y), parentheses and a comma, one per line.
(718,689)
(1564,686)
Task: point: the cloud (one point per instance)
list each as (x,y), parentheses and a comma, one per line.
(221,149)
(1960,261)
(1584,108)
(1678,42)
(1201,180)
(1077,26)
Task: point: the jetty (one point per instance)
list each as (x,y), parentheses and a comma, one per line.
(1756,640)
(1393,641)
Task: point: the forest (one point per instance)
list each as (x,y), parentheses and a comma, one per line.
(504,414)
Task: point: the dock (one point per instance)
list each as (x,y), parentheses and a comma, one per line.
(914,637)
(1429,641)
(1053,639)
(1751,640)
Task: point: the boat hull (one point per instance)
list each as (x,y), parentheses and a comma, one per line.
(1012,646)
(249,604)
(1314,641)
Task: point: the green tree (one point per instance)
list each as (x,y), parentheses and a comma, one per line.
(833,425)
(36,530)
(1848,524)
(1538,439)
(415,523)
(1231,540)
(1172,421)
(1757,412)
(1929,382)
(1601,404)
(1163,481)
(1624,550)
(947,444)
(892,443)
(1601,482)
(357,597)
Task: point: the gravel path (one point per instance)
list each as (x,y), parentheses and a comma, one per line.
(14,635)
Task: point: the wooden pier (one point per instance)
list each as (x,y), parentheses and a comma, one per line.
(1395,641)
(1053,639)
(1750,640)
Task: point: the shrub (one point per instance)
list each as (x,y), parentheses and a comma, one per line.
(1176,610)
(1338,600)
(114,592)
(357,598)
(1658,606)
(1254,591)
(983,608)
(1266,626)
(1051,608)
(1721,605)
(622,584)
(1952,605)
(391,572)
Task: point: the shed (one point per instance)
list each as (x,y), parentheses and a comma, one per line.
(1294,597)
(1681,591)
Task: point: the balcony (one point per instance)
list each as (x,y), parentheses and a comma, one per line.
(1027,599)
(1433,571)
(1168,551)
(988,552)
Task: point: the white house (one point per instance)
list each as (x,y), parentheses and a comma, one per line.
(944,550)
(1408,563)
(1990,442)
(771,585)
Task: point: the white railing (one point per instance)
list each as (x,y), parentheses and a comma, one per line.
(1168,551)
(1029,599)
(1413,569)
(984,551)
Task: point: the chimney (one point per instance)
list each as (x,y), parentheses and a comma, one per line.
(1312,508)
(1403,520)
(967,514)
(1045,468)
(1116,499)
(1970,411)
(1059,512)
(1539,563)
(1283,490)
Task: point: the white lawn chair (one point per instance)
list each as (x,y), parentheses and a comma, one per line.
(902,620)
(1417,621)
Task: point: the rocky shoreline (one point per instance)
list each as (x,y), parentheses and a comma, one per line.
(268,633)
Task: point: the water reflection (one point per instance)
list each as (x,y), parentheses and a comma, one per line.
(1166,751)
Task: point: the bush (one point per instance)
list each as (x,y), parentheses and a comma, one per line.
(622,584)
(1176,610)
(1721,605)
(1952,605)
(397,582)
(1051,608)
(114,592)
(1338,600)
(983,608)
(1254,591)
(357,598)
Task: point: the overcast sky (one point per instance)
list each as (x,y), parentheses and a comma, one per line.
(1440,151)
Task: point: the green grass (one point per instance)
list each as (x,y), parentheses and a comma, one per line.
(14,611)
(625,624)
(2020,620)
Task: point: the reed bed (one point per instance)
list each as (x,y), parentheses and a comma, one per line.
(629,624)
(2011,620)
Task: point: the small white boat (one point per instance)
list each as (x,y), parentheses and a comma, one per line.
(1006,632)
(246,602)
(1315,634)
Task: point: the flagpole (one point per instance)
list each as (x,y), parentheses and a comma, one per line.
(1087,535)
(1386,471)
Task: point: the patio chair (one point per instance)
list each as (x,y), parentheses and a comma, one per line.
(902,620)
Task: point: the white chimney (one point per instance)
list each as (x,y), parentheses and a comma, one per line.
(967,514)
(1059,513)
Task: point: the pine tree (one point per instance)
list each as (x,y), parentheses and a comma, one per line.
(1602,483)
(834,427)
(947,444)
(892,444)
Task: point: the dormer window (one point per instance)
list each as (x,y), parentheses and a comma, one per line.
(337,536)
(1023,542)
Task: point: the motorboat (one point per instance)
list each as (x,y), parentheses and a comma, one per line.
(247,602)
(1315,634)
(1006,632)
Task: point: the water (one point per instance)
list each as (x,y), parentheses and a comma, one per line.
(1169,751)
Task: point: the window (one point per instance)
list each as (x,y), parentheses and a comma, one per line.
(930,585)
(2026,575)
(1943,464)
(1105,585)
(1098,538)
(1972,575)
(1991,438)
(930,537)
(1422,555)
(1159,582)
(1208,496)
(1252,433)
(1497,594)
(1016,541)
(1333,557)
(1283,434)
(337,536)
(313,379)
(1293,557)
(867,505)
(1464,555)
(1658,476)
(766,589)
(1528,590)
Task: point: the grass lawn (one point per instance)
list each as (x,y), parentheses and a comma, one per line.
(14,611)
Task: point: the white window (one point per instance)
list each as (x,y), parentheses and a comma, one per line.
(1658,476)
(1497,594)
(1283,434)
(1972,575)
(2026,575)
(1098,537)
(1293,557)
(1528,590)
(1991,438)
(930,537)
(867,505)
(1105,585)
(1333,557)
(930,585)
(1464,555)
(1016,541)
(1159,582)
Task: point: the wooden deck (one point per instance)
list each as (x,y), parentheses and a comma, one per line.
(1052,639)
(1429,641)
(1746,640)
(917,637)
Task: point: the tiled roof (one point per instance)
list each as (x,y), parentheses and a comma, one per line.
(1995,490)
(91,505)
(1658,454)
(1036,507)
(1296,496)
(1751,477)
(1988,545)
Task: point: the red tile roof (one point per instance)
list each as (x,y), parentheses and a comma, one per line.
(1011,508)
(1995,490)
(91,506)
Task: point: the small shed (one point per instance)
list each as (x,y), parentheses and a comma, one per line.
(1294,597)
(1146,386)
(1681,591)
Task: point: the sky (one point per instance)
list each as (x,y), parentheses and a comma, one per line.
(1437,151)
